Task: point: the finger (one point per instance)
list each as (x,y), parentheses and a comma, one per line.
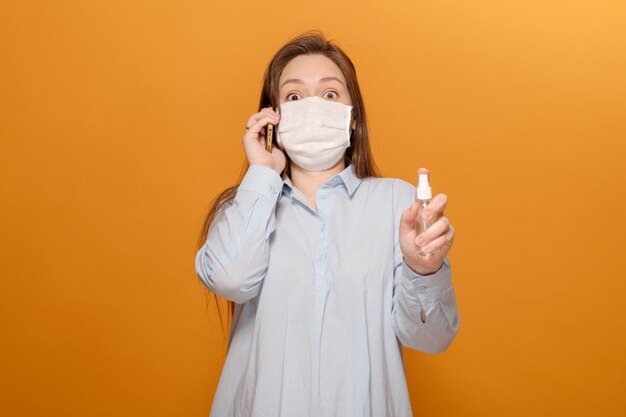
(247,135)
(436,206)
(407,219)
(262,114)
(441,226)
(255,133)
(444,240)
(275,151)
(258,126)
(268,111)
(252,122)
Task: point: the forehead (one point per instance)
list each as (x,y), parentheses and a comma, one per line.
(310,68)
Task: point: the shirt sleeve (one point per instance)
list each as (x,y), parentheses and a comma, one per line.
(234,259)
(412,293)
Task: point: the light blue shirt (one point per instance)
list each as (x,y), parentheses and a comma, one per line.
(324,300)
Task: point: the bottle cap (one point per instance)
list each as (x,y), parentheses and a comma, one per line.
(424,192)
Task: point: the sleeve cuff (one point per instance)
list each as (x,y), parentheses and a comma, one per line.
(429,285)
(262,180)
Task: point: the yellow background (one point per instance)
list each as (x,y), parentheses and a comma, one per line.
(121,120)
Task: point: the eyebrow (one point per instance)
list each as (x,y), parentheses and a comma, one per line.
(298,81)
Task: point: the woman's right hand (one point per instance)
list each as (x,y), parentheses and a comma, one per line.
(254,142)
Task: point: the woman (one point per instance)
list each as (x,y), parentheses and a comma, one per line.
(318,253)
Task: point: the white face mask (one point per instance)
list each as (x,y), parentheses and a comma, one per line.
(314,132)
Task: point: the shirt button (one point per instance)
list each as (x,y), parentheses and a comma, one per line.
(273,189)
(323,197)
(422,289)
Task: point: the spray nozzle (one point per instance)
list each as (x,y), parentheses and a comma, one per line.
(424,192)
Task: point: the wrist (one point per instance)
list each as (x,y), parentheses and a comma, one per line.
(422,271)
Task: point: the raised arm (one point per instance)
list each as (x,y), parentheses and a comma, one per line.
(233,260)
(424,312)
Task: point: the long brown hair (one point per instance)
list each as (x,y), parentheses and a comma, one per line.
(358,154)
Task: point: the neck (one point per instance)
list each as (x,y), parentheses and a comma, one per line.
(309,181)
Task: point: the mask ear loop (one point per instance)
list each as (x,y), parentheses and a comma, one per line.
(348,154)
(352,123)
(352,132)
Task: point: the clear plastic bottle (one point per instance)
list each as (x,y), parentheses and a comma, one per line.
(423,197)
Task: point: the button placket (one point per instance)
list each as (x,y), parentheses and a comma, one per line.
(322,235)
(322,284)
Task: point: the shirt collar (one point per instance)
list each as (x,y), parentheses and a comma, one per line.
(346,177)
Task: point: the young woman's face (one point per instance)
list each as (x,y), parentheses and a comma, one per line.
(313,75)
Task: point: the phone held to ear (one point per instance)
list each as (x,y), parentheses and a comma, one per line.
(269,136)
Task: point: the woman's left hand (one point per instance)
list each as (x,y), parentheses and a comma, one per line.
(437,238)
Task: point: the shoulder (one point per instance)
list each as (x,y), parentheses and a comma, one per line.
(399,193)
(397,186)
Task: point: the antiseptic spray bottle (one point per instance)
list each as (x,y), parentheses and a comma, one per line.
(424,195)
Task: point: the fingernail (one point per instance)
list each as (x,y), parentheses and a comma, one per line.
(425,249)
(419,241)
(426,214)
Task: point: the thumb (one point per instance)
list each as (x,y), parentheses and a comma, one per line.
(407,220)
(275,150)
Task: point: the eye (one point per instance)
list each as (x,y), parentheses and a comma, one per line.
(292,97)
(331,95)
